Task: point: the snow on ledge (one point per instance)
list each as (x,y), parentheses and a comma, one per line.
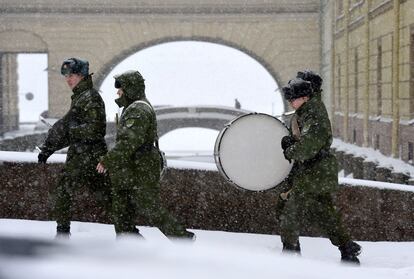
(372,155)
(343,181)
(29,157)
(178,164)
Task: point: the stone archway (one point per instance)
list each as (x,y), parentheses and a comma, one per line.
(17,41)
(283,36)
(109,66)
(12,43)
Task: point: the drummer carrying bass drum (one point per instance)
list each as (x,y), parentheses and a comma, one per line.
(314,176)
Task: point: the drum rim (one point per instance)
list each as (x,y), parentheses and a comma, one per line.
(217,151)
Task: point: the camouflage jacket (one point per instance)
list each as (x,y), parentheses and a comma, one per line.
(135,160)
(83,127)
(315,167)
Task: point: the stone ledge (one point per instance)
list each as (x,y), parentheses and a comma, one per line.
(368,170)
(204,200)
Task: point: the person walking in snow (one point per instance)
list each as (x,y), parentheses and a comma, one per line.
(83,129)
(314,176)
(134,164)
(237,104)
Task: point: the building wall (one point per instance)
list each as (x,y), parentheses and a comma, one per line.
(354,103)
(9,112)
(326,21)
(281,35)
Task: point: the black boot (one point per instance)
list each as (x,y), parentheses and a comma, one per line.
(62,235)
(350,252)
(62,232)
(185,235)
(291,248)
(135,232)
(190,235)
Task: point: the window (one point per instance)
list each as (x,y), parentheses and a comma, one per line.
(1,99)
(410,152)
(340,7)
(379,77)
(377,142)
(412,73)
(354,136)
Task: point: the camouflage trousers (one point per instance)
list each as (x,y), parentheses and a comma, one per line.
(82,181)
(318,210)
(142,201)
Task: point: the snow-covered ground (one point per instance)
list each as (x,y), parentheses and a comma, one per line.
(93,252)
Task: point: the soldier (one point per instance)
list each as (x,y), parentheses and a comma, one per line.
(134,164)
(82,128)
(314,176)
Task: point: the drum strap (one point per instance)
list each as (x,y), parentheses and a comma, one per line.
(162,154)
(152,109)
(295,127)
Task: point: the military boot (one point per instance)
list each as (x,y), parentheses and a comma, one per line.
(137,234)
(185,235)
(293,249)
(62,235)
(62,232)
(134,233)
(350,252)
(190,235)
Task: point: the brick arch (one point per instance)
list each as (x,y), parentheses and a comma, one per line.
(110,65)
(283,36)
(17,41)
(13,42)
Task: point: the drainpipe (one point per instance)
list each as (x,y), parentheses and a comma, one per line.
(332,89)
(366,87)
(346,89)
(395,81)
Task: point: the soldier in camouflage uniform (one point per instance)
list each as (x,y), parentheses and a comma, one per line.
(82,128)
(134,164)
(314,176)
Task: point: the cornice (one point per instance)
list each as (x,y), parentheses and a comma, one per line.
(172,7)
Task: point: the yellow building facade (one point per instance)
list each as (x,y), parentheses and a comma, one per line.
(368,61)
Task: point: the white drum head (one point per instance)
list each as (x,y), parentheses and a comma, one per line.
(248,152)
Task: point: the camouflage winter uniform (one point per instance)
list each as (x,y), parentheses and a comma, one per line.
(134,163)
(314,177)
(83,130)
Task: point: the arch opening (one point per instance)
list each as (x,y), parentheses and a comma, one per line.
(177,144)
(32,86)
(197,74)
(191,73)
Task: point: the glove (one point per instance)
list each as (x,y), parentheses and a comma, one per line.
(286,142)
(285,195)
(284,153)
(42,157)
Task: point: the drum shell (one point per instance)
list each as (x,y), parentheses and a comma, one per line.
(269,178)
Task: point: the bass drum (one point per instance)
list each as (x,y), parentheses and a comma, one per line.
(248,152)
